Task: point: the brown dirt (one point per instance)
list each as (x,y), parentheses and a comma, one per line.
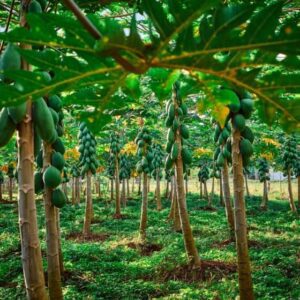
(78,237)
(119,217)
(207,208)
(209,270)
(144,249)
(4,284)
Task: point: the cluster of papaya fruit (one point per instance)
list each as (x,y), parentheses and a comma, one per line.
(144,151)
(240,111)
(115,145)
(110,171)
(290,153)
(215,171)
(263,169)
(75,172)
(157,162)
(176,110)
(124,168)
(203,174)
(37,6)
(87,149)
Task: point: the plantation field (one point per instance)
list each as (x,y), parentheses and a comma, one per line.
(112,267)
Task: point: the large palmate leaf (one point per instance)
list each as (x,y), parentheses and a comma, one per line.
(254,47)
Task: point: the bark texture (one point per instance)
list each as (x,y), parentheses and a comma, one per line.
(244,269)
(54,276)
(117,189)
(143,222)
(291,197)
(88,205)
(264,202)
(30,244)
(158,197)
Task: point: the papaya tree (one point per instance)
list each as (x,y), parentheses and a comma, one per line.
(289,157)
(110,171)
(89,165)
(263,175)
(75,173)
(180,157)
(203,176)
(11,176)
(123,175)
(143,141)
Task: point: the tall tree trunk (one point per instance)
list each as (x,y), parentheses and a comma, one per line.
(117,189)
(205,190)
(143,223)
(167,189)
(149,180)
(54,276)
(189,242)
(30,244)
(158,198)
(73,191)
(264,202)
(10,188)
(244,269)
(176,224)
(221,189)
(246,184)
(61,261)
(201,190)
(99,188)
(88,206)
(226,191)
(140,185)
(172,188)
(77,190)
(132,187)
(128,189)
(291,197)
(111,189)
(212,190)
(123,195)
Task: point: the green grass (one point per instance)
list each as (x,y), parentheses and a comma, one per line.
(111,270)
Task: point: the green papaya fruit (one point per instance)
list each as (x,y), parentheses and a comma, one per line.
(174,151)
(169,147)
(217,133)
(58,198)
(7,127)
(168,122)
(39,159)
(186,156)
(55,103)
(58,146)
(247,106)
(220,160)
(169,162)
(239,122)
(184,109)
(10,60)
(184,131)
(43,4)
(57,161)
(44,121)
(171,112)
(248,134)
(52,177)
(246,148)
(171,136)
(35,7)
(60,130)
(234,107)
(54,116)
(216,153)
(38,182)
(176,124)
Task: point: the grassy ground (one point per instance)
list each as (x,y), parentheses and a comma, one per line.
(113,269)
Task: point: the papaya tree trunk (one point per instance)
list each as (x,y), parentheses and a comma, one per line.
(205,190)
(61,261)
(226,191)
(111,189)
(140,185)
(133,183)
(167,189)
(201,190)
(117,189)
(291,197)
(246,184)
(73,191)
(128,189)
(99,188)
(172,210)
(170,196)
(143,222)
(77,190)
(148,182)
(244,269)
(158,198)
(10,188)
(264,202)
(30,244)
(186,186)
(221,189)
(177,224)
(88,206)
(123,196)
(212,190)
(54,276)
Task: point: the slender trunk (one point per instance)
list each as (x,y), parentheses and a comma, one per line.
(244,268)
(143,223)
(77,190)
(128,189)
(172,188)
(205,190)
(177,224)
(73,191)
(246,184)
(10,188)
(221,189)
(148,181)
(228,207)
(61,261)
(54,276)
(172,210)
(140,185)
(189,242)
(264,202)
(117,188)
(111,189)
(30,244)
(123,195)
(167,189)
(158,198)
(291,197)
(99,188)
(132,187)
(88,206)
(212,190)
(201,191)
